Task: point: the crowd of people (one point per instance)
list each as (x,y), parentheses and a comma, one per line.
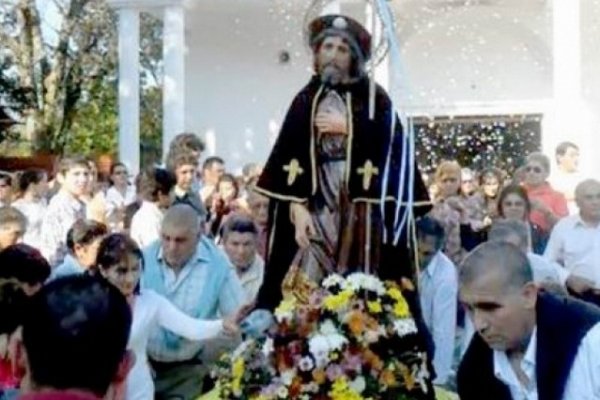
(549,223)
(175,221)
(124,287)
(181,229)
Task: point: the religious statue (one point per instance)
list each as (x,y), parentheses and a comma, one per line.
(336,177)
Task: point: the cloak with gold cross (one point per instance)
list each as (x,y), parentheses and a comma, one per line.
(341,179)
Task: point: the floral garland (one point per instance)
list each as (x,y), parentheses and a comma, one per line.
(354,339)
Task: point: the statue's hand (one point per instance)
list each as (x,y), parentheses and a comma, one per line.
(303,223)
(328,122)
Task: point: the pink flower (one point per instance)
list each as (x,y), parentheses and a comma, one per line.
(352,363)
(333,372)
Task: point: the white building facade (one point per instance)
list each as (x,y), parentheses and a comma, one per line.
(231,67)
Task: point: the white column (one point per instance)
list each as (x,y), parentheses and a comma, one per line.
(571,116)
(129,89)
(174,74)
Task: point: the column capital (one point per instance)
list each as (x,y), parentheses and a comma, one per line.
(141,4)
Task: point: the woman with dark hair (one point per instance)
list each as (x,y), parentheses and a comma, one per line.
(33,186)
(120,261)
(223,201)
(490,182)
(513,203)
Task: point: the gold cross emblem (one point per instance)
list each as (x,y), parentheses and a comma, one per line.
(294,170)
(367,171)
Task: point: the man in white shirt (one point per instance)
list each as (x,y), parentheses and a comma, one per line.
(155,185)
(529,345)
(240,240)
(575,240)
(566,175)
(438,291)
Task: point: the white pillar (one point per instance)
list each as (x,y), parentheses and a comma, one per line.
(129,89)
(174,74)
(571,116)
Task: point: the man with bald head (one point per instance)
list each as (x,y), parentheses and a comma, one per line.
(189,270)
(529,344)
(575,241)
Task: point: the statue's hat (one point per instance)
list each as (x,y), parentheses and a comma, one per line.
(340,25)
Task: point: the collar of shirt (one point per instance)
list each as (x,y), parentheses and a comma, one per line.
(252,272)
(180,193)
(505,373)
(541,190)
(71,200)
(578,222)
(200,256)
(73,263)
(433,265)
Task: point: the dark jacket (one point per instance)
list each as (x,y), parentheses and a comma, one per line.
(561,325)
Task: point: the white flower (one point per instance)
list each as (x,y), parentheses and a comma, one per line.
(282,392)
(361,281)
(336,341)
(310,387)
(405,327)
(287,377)
(268,347)
(358,385)
(328,328)
(306,364)
(319,348)
(333,280)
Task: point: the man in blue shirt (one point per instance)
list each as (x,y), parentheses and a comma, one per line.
(196,276)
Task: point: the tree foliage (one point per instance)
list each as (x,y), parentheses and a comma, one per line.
(58,71)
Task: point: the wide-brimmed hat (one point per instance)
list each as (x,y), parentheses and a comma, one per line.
(339,25)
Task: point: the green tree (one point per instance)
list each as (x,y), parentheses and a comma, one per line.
(63,84)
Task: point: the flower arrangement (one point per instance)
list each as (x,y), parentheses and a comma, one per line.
(353,339)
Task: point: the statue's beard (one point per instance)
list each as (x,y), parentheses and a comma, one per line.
(332,75)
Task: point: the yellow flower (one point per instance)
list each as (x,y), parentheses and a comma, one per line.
(401,309)
(340,390)
(374,307)
(285,309)
(395,293)
(237,372)
(335,302)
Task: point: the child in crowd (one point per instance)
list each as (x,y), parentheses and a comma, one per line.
(66,207)
(12,226)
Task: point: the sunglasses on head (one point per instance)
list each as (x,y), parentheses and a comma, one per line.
(537,170)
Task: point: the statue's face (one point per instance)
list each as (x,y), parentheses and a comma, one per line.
(334,59)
